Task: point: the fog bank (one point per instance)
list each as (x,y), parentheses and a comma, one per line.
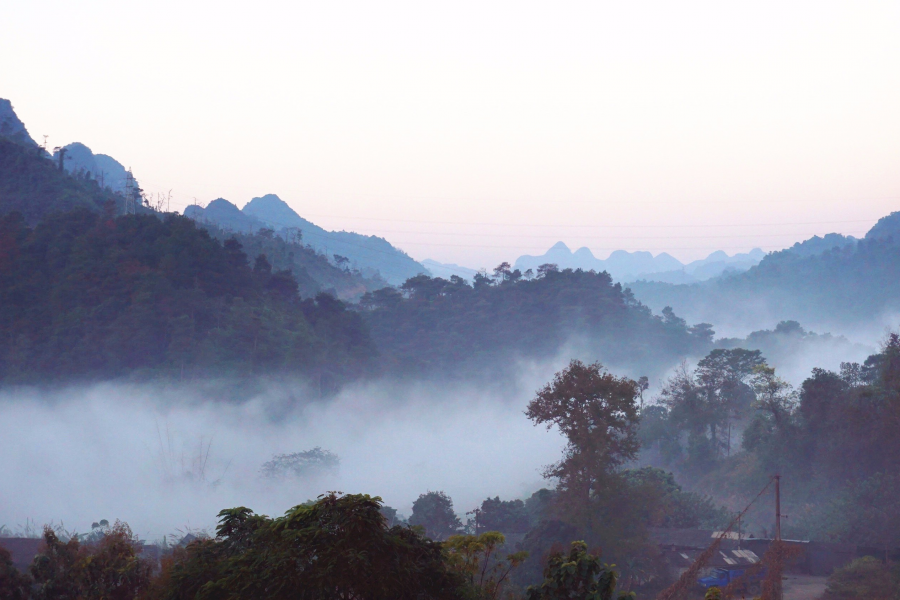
(165,459)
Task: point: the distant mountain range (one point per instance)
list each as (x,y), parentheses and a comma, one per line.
(632,266)
(448,270)
(835,283)
(367,253)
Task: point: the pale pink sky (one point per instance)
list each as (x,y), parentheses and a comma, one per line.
(473,132)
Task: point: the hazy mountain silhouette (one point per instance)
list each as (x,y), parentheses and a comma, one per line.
(448,270)
(224,214)
(886,228)
(369,254)
(835,283)
(105,169)
(630,266)
(11,126)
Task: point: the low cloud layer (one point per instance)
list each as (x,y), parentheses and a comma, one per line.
(164,459)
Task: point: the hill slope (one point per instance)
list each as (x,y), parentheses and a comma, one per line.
(83,296)
(369,254)
(832,283)
(32,184)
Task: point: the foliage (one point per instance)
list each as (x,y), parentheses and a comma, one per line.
(864,579)
(508,516)
(835,443)
(665,504)
(451,328)
(301,464)
(33,186)
(594,498)
(337,547)
(84,295)
(110,568)
(706,402)
(475,558)
(578,575)
(13,584)
(313,272)
(596,411)
(433,511)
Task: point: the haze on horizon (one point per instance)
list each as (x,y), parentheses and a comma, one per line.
(475,132)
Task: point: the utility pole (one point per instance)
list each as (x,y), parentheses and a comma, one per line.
(778,507)
(777,568)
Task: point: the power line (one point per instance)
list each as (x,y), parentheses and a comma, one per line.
(665,249)
(603,237)
(548,225)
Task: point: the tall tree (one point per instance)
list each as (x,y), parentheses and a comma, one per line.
(597,413)
(434,512)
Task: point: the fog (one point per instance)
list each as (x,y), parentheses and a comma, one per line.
(169,458)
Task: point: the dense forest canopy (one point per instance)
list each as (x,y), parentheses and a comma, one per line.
(35,187)
(432,325)
(314,272)
(85,295)
(730,423)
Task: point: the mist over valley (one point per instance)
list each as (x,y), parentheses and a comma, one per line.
(450,303)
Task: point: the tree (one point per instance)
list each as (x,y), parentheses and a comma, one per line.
(863,579)
(301,464)
(110,568)
(643,383)
(433,511)
(596,411)
(475,558)
(336,547)
(723,376)
(578,575)
(502,272)
(507,516)
(705,403)
(13,584)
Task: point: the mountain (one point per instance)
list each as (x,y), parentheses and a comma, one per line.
(714,265)
(11,127)
(371,255)
(448,270)
(224,214)
(32,185)
(105,169)
(84,296)
(886,228)
(631,266)
(834,283)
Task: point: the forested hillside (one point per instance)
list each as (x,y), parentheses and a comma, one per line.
(731,423)
(35,187)
(838,289)
(437,326)
(372,256)
(313,271)
(85,295)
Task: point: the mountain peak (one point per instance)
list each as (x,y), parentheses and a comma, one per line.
(267,199)
(11,126)
(560,246)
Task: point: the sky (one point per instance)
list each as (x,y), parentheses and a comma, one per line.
(474,132)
